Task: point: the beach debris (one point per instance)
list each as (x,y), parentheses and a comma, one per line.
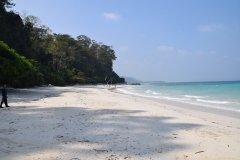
(112,157)
(101,150)
(127,157)
(199,152)
(175,135)
(84,141)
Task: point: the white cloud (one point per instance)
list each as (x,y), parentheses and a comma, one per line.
(111,16)
(183,53)
(123,48)
(211,27)
(164,48)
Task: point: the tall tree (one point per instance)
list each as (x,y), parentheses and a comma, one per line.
(5,4)
(13,31)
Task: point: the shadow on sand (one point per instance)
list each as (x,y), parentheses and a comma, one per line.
(76,131)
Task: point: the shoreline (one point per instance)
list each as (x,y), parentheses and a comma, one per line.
(202,112)
(189,106)
(83,122)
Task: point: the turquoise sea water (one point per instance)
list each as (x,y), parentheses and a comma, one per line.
(222,95)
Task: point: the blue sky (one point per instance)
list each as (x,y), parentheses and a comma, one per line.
(177,40)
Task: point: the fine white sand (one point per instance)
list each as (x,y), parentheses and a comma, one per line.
(84,122)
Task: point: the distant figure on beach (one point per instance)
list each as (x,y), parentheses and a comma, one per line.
(4,96)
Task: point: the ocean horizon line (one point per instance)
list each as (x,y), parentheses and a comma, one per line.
(190,81)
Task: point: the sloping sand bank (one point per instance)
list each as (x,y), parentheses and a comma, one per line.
(88,123)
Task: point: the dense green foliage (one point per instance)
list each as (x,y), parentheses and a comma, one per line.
(58,59)
(20,72)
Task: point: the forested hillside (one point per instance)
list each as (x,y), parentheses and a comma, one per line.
(31,55)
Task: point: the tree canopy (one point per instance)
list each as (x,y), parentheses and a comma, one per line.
(31,53)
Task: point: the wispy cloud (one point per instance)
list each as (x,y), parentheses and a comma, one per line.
(164,48)
(183,53)
(212,52)
(210,27)
(225,57)
(123,48)
(111,16)
(199,52)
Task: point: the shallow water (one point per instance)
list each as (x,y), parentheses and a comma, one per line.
(222,95)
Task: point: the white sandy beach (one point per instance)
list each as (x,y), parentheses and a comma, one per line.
(91,123)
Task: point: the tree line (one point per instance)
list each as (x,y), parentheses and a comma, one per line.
(31,55)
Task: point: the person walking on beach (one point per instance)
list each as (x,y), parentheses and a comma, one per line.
(4,96)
